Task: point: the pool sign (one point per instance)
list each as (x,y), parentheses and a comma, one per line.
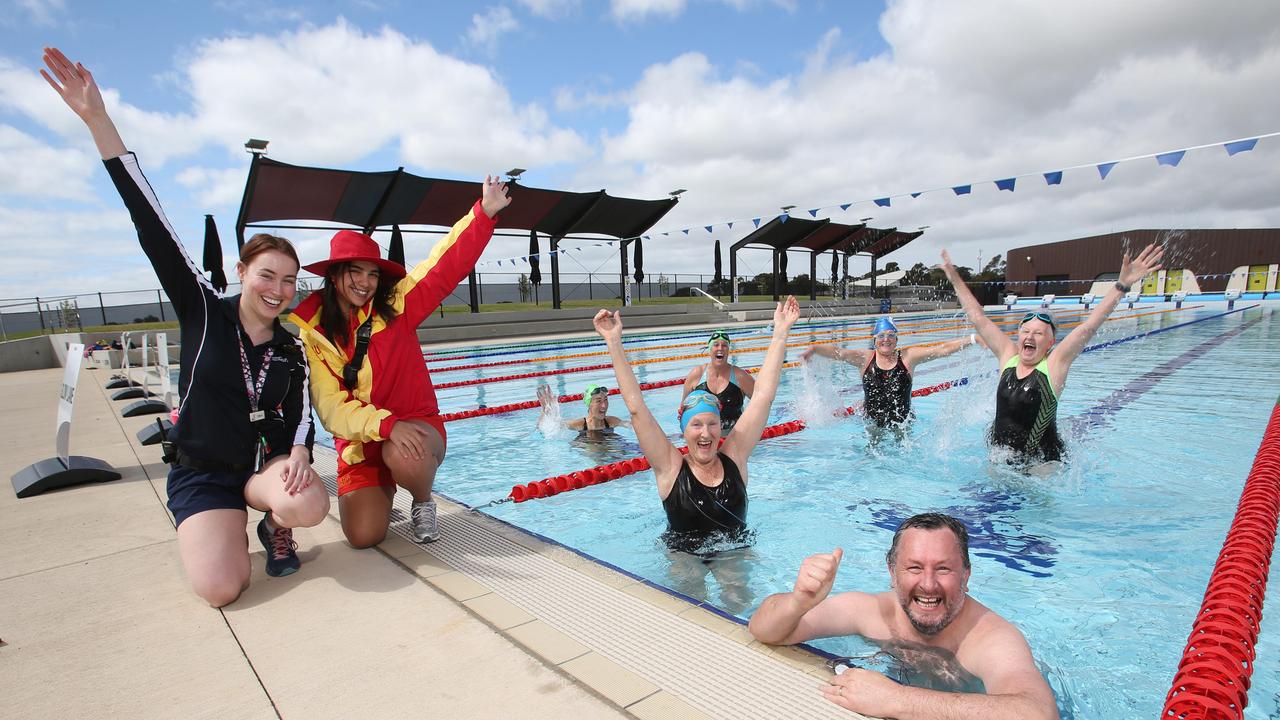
(65,469)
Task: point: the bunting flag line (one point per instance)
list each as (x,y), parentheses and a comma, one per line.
(1169,158)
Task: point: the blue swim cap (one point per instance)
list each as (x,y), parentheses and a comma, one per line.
(884,324)
(698,401)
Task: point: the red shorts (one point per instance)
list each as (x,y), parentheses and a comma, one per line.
(372,471)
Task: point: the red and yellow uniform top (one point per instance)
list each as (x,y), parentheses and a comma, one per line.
(393,383)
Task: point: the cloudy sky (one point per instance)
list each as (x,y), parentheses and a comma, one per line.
(748,104)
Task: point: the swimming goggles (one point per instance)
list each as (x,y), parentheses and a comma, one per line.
(1046,317)
(882,662)
(719,335)
(592,391)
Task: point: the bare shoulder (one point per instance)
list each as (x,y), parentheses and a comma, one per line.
(993,641)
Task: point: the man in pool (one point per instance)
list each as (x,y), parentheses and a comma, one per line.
(598,420)
(927,615)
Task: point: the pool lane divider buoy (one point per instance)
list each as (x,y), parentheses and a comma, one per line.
(934,326)
(697,356)
(548,487)
(529,404)
(1213,675)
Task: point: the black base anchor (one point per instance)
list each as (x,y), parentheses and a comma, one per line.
(51,474)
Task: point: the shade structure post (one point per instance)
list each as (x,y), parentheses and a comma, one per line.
(624,270)
(473,292)
(873,276)
(844,274)
(733,274)
(813,276)
(395,251)
(249,185)
(555,272)
(775,275)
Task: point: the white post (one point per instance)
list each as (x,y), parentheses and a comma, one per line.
(66,402)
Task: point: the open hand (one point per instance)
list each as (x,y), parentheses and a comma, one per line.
(410,439)
(806,354)
(863,691)
(787,313)
(494,197)
(1147,262)
(297,473)
(608,325)
(74,84)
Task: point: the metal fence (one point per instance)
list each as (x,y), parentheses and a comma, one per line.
(76,312)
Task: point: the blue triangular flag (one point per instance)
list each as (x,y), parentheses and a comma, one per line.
(1104,169)
(813,212)
(730,226)
(915,194)
(1053,178)
(1170,158)
(708,227)
(1240,146)
(1006,184)
(784,217)
(962,189)
(685,231)
(882,202)
(756,221)
(845,206)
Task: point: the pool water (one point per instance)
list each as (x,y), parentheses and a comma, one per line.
(1102,565)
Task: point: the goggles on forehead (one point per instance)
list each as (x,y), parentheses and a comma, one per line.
(1046,317)
(719,335)
(592,391)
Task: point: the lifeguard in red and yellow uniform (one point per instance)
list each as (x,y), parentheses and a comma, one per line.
(369,381)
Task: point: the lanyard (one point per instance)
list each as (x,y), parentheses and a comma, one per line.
(254,391)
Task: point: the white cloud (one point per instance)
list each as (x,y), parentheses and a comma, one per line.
(632,10)
(44,13)
(970,92)
(487,29)
(214,187)
(553,9)
(33,169)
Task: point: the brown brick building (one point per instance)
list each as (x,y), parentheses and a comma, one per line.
(1207,260)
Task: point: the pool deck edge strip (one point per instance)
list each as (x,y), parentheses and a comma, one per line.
(656,645)
(1218,660)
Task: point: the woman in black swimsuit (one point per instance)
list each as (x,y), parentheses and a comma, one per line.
(735,384)
(704,494)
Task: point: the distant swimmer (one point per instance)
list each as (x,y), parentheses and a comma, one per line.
(597,421)
(958,657)
(704,494)
(887,371)
(735,384)
(1031,377)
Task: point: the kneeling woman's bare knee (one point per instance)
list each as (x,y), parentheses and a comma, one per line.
(307,508)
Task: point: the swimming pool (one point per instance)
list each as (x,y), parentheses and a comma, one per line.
(1102,566)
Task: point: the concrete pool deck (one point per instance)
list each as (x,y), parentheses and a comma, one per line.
(97,619)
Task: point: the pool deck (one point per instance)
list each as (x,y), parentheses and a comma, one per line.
(488,622)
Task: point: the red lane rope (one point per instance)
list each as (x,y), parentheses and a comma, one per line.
(579,479)
(1212,680)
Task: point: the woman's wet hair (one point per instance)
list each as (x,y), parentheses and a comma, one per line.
(332,318)
(264,242)
(930,521)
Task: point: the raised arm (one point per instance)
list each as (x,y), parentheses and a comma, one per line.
(746,432)
(547,400)
(75,85)
(806,612)
(997,342)
(1066,351)
(185,286)
(856,358)
(663,457)
(913,356)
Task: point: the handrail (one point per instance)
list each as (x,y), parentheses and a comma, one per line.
(712,298)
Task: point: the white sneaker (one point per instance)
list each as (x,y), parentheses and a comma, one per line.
(425,527)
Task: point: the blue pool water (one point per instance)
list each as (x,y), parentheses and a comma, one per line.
(1102,565)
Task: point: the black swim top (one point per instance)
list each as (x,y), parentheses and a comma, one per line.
(696,513)
(888,392)
(731,401)
(1027,413)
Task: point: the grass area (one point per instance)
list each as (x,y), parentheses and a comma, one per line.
(94,331)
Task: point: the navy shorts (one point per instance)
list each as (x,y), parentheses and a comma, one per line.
(194,491)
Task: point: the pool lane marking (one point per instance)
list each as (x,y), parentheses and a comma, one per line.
(745,331)
(1098,415)
(634,465)
(693,356)
(935,325)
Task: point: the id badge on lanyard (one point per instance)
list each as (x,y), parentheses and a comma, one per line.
(254,391)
